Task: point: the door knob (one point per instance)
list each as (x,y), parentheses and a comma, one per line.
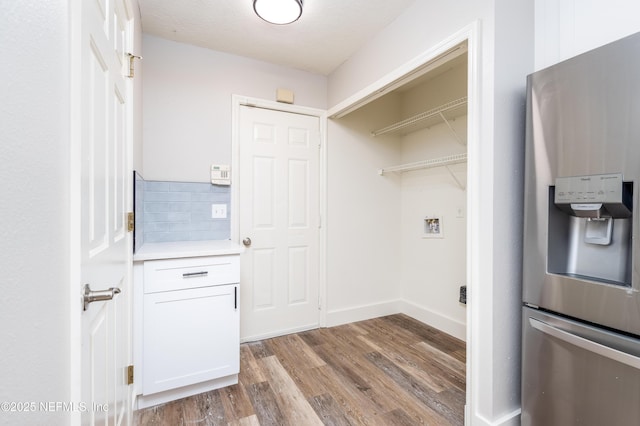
(98,295)
(246,242)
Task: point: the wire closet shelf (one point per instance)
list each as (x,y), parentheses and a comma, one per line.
(425,164)
(442,113)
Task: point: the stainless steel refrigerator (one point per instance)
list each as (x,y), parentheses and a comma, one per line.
(581,260)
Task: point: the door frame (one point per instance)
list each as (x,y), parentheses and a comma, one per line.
(477,314)
(75,199)
(236,102)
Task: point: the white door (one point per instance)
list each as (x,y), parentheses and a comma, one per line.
(105,198)
(278,221)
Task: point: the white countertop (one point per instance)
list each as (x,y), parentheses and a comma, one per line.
(178,249)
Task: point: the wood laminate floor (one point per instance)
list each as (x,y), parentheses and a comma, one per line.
(392,370)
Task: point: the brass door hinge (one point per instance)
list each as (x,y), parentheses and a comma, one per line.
(131,221)
(131,67)
(130,374)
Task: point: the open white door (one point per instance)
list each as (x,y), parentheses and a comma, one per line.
(105,194)
(278,221)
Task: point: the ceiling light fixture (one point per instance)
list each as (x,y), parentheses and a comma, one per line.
(279,12)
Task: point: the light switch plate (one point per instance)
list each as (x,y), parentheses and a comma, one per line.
(218,211)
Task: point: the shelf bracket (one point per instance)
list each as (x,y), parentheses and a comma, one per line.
(453,175)
(455,135)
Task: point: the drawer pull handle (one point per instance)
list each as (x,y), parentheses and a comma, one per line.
(195,274)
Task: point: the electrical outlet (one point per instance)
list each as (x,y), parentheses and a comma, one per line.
(218,211)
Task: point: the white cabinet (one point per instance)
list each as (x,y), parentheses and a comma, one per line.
(190,332)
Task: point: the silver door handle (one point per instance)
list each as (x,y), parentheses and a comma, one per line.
(589,345)
(246,242)
(89,295)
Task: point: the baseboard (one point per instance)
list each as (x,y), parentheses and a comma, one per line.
(435,319)
(509,419)
(431,318)
(363,312)
(276,333)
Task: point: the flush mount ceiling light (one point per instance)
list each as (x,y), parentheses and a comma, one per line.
(279,12)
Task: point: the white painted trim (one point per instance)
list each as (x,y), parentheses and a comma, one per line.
(277,333)
(324,183)
(474,227)
(400,306)
(363,312)
(435,319)
(236,102)
(277,106)
(509,419)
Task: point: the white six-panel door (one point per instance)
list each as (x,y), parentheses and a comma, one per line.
(104,198)
(278,221)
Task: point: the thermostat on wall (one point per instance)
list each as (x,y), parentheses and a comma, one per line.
(220,174)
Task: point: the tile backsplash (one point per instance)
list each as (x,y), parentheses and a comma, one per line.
(181,211)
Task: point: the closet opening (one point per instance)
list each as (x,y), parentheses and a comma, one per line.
(412,174)
(397,180)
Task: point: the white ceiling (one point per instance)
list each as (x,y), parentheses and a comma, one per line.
(327,33)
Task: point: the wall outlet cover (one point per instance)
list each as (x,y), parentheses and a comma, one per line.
(218,211)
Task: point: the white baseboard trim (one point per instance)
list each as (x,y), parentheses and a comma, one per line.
(509,419)
(363,312)
(435,319)
(431,318)
(282,332)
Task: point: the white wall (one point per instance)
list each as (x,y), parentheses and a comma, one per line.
(187,104)
(425,24)
(506,57)
(433,269)
(565,28)
(34,305)
(363,244)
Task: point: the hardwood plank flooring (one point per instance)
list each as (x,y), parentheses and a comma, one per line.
(392,370)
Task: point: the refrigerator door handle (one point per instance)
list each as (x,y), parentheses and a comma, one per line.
(589,345)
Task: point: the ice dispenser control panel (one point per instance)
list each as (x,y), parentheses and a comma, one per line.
(594,196)
(589,189)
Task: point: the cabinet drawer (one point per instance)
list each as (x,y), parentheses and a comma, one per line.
(192,272)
